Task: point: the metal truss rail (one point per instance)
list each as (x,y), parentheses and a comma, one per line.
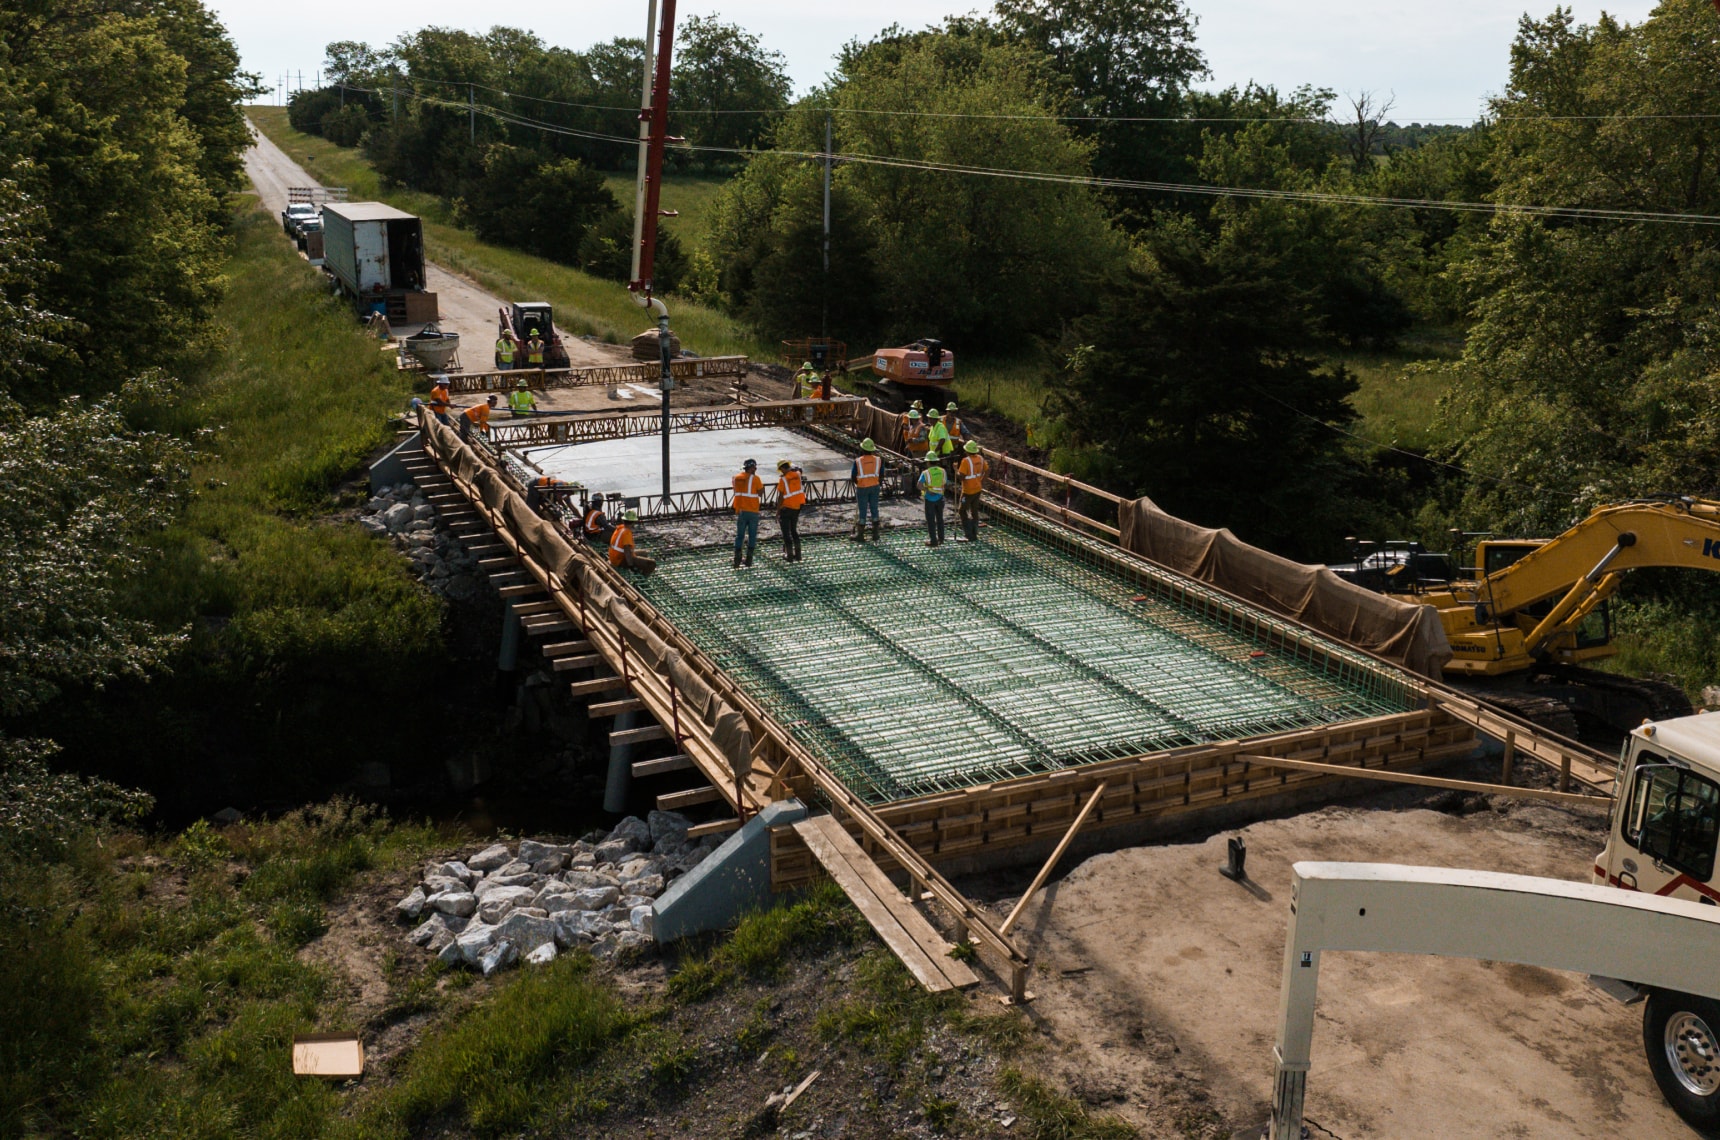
(542,379)
(844,411)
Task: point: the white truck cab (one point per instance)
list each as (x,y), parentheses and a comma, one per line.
(1662,839)
(1666,815)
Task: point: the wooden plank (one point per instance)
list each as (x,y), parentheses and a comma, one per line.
(596,685)
(715,827)
(903,929)
(508,563)
(543,629)
(692,797)
(533,609)
(1429,781)
(638,735)
(523,591)
(584,661)
(567,648)
(662,765)
(616,708)
(1062,846)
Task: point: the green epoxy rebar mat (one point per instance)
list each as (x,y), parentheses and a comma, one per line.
(910,670)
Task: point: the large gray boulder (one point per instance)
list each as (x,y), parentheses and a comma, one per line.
(527,932)
(543,955)
(596,898)
(670,825)
(491,858)
(461,902)
(496,904)
(398,517)
(643,919)
(500,882)
(635,830)
(498,957)
(454,869)
(474,941)
(412,905)
(532,853)
(649,885)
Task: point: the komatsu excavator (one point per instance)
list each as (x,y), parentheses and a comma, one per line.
(1527,618)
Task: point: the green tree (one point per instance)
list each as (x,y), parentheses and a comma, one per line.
(726,89)
(1189,385)
(606,250)
(524,199)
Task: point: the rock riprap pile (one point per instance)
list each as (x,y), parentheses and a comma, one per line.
(504,904)
(401,514)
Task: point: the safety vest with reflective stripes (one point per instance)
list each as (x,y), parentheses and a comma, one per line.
(868,468)
(521,400)
(620,542)
(934,480)
(805,385)
(595,521)
(972,471)
(790,491)
(505,350)
(534,352)
(918,441)
(938,439)
(748,488)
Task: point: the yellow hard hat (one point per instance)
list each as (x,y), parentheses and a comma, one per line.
(972,447)
(868,445)
(632,515)
(806,364)
(783,465)
(522,383)
(913,415)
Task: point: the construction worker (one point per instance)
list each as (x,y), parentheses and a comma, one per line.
(505,347)
(534,351)
(539,486)
(595,524)
(914,440)
(867,474)
(749,490)
(954,425)
(971,473)
(804,380)
(938,442)
(790,498)
(621,552)
(521,402)
(477,415)
(440,401)
(932,481)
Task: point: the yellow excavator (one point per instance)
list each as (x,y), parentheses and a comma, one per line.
(1525,620)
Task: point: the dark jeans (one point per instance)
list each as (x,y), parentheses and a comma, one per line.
(789,519)
(866,498)
(970,516)
(746,531)
(935,520)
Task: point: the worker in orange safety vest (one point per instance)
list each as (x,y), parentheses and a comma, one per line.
(790,498)
(868,476)
(595,524)
(478,415)
(749,491)
(971,473)
(621,551)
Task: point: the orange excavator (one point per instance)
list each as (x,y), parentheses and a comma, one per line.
(924,368)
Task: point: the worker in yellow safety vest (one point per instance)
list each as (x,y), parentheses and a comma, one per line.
(749,490)
(790,498)
(932,481)
(868,476)
(505,351)
(805,382)
(938,442)
(478,415)
(521,402)
(534,351)
(971,473)
(621,551)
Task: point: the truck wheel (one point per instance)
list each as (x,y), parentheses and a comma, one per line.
(1681,1034)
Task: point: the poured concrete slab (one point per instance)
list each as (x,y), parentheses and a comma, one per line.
(698,460)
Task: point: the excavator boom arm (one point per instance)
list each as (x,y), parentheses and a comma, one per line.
(1625,536)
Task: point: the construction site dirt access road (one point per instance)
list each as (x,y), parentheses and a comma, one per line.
(1159,981)
(470,310)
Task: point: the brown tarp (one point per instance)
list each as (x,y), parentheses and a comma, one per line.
(1404,632)
(734,737)
(884,428)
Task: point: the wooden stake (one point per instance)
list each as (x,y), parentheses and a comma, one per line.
(1045,871)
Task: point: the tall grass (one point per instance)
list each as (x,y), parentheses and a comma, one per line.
(583,304)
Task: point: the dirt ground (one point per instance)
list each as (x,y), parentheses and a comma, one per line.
(1159,979)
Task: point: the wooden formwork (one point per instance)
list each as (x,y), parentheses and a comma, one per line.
(1004,823)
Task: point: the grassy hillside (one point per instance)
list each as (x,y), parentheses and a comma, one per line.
(689,195)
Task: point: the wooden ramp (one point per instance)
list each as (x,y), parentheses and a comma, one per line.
(903,929)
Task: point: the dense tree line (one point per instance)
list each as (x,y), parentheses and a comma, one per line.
(525,169)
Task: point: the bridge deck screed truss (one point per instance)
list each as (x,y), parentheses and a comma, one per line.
(910,671)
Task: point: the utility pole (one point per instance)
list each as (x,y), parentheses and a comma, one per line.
(394,83)
(472,112)
(824,304)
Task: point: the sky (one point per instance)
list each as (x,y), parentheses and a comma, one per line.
(1439,60)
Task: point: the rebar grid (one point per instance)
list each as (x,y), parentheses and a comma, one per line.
(910,671)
